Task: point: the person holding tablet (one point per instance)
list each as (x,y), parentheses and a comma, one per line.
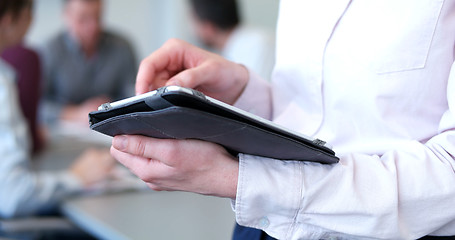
(377,87)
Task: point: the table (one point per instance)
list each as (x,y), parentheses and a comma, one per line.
(136,213)
(152,215)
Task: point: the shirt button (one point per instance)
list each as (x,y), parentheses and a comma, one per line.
(264,222)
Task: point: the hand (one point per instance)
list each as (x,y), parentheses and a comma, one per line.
(182,64)
(92,104)
(92,166)
(179,165)
(78,113)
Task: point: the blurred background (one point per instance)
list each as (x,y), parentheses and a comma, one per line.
(64,68)
(146,23)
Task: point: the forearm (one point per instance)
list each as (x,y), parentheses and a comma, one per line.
(393,196)
(23,192)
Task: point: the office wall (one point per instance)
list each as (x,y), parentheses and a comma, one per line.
(146,23)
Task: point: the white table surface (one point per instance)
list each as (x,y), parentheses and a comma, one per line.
(135,214)
(152,215)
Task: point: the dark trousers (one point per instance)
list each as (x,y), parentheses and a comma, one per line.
(437,238)
(246,233)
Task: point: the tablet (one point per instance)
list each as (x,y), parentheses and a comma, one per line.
(182,113)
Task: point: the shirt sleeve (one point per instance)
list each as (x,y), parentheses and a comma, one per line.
(22,191)
(405,193)
(256,98)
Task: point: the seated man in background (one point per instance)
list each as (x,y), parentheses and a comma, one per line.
(218,25)
(85,66)
(23,191)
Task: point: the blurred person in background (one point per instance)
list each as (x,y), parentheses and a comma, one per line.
(23,191)
(26,63)
(218,25)
(85,66)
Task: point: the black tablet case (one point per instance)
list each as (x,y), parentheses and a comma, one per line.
(179,115)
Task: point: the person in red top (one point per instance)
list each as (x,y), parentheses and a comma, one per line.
(26,62)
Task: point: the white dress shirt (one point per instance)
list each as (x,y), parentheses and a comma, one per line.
(252,47)
(376,80)
(22,191)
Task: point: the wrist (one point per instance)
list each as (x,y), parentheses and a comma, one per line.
(71,178)
(76,173)
(219,179)
(228,178)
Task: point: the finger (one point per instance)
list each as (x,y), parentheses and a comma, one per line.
(147,72)
(146,169)
(191,78)
(146,146)
(166,58)
(154,187)
(135,145)
(132,162)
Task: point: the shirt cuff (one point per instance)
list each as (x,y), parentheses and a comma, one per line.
(69,182)
(256,98)
(269,194)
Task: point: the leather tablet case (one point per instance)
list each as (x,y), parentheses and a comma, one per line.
(184,122)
